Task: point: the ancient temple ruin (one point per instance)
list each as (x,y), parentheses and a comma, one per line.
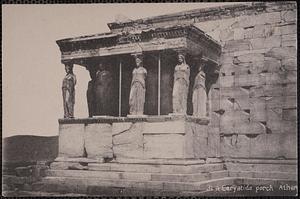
(248,131)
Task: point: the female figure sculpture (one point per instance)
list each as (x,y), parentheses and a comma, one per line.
(103,91)
(181,86)
(199,94)
(68,91)
(138,89)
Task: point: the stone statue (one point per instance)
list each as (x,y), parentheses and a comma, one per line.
(90,93)
(181,86)
(199,94)
(138,89)
(68,91)
(103,91)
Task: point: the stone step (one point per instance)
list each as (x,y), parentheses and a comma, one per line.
(82,185)
(147,168)
(97,186)
(197,177)
(261,167)
(266,175)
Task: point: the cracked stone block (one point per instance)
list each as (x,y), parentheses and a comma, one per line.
(129,141)
(164,146)
(118,127)
(71,140)
(98,140)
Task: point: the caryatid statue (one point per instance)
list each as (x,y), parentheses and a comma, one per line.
(138,88)
(199,94)
(181,86)
(103,91)
(68,91)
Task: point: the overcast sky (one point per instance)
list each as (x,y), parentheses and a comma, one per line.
(32,71)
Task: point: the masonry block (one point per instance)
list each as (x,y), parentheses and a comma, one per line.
(268,42)
(71,140)
(129,142)
(98,140)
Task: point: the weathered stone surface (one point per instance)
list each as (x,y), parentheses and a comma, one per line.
(225,104)
(290,89)
(263,146)
(226,81)
(258,110)
(268,42)
(289,114)
(164,146)
(288,29)
(230,119)
(241,103)
(235,146)
(118,127)
(226,57)
(236,45)
(98,140)
(129,143)
(288,127)
(282,53)
(251,128)
(226,35)
(252,56)
(164,127)
(272,65)
(71,140)
(239,33)
(289,102)
(289,15)
(252,20)
(213,147)
(249,80)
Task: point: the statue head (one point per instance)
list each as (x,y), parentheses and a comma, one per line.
(181,58)
(101,66)
(69,68)
(139,62)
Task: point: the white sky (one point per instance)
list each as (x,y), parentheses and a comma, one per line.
(32,71)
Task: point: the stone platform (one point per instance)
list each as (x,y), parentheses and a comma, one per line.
(153,155)
(165,137)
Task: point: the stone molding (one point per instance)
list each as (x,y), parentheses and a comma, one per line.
(111,119)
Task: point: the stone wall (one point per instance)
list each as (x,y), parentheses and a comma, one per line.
(157,137)
(254,102)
